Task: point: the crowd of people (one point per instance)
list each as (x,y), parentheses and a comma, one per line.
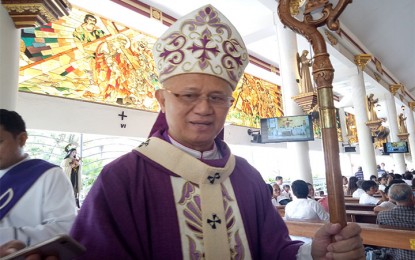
(392,197)
(181,194)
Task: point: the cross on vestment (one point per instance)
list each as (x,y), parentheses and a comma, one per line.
(213,222)
(212,178)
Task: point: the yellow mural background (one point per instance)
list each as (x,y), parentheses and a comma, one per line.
(89,58)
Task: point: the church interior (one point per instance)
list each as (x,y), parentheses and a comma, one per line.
(105,86)
(81,74)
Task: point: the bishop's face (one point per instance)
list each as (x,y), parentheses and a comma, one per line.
(196,106)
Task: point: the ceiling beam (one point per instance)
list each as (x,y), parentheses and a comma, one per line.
(34,13)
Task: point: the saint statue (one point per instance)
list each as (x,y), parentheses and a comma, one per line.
(71,165)
(401,124)
(371,102)
(351,124)
(303,65)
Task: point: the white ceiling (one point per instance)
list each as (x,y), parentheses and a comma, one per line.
(387,29)
(384,28)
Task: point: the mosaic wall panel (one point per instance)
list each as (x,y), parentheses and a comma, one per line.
(87,57)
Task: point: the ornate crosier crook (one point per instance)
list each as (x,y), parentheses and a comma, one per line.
(323,76)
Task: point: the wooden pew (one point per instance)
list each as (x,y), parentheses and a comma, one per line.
(281,210)
(351,200)
(354,213)
(361,216)
(372,234)
(357,206)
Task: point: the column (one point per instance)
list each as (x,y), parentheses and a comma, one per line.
(410,124)
(367,152)
(288,50)
(398,158)
(9,57)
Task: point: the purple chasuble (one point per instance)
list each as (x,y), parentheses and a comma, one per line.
(130,212)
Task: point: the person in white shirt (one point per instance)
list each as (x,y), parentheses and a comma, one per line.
(275,194)
(285,197)
(407,177)
(46,204)
(382,183)
(359,192)
(311,191)
(370,188)
(303,207)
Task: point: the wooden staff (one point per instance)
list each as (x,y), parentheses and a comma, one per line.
(323,73)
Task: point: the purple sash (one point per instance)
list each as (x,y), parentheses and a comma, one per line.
(18,180)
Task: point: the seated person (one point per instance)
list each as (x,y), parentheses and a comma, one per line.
(402,216)
(345,184)
(374,178)
(382,183)
(408,177)
(287,189)
(370,188)
(276,193)
(311,191)
(357,193)
(351,186)
(390,204)
(46,206)
(302,207)
(285,197)
(390,176)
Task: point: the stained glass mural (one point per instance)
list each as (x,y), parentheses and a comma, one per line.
(255,99)
(86,57)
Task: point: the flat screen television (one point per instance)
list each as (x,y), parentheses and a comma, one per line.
(287,129)
(395,147)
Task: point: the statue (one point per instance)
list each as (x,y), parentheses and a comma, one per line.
(371,102)
(401,124)
(350,124)
(72,167)
(303,66)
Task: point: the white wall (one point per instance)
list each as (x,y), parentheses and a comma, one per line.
(59,114)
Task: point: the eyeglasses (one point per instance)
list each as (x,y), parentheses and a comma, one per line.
(216,99)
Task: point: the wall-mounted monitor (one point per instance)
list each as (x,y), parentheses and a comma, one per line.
(349,149)
(395,147)
(287,129)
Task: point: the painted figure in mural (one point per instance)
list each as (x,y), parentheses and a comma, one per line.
(304,65)
(113,72)
(371,103)
(254,99)
(402,124)
(72,167)
(88,31)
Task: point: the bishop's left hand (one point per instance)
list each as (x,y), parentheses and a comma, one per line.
(333,242)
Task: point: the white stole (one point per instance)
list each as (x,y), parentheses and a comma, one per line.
(209,179)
